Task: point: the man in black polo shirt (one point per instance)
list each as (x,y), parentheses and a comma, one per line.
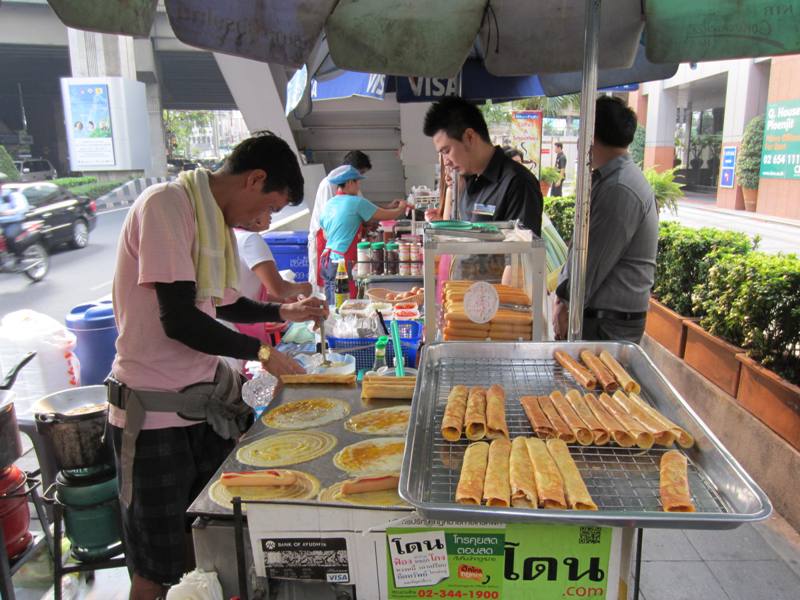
(498,188)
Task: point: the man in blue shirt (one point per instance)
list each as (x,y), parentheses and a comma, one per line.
(341,221)
(13,208)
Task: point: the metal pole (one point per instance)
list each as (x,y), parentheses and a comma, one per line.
(580,239)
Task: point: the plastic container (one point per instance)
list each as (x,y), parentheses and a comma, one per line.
(364,348)
(416,259)
(378,257)
(405,259)
(364,265)
(290,249)
(392,258)
(96,334)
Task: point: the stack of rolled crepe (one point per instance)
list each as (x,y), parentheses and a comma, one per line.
(477,411)
(527,473)
(508,325)
(596,420)
(603,371)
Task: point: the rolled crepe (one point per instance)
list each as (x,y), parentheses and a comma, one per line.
(258,478)
(453,419)
(473,471)
(523,487)
(685,440)
(563,432)
(577,495)
(539,421)
(361,485)
(604,377)
(607,420)
(582,375)
(496,486)
(661,434)
(475,415)
(644,439)
(674,483)
(625,381)
(496,426)
(600,433)
(571,418)
(549,484)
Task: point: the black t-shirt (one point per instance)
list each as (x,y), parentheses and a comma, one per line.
(506,190)
(561,161)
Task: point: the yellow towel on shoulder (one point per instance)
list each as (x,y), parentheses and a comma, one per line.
(215,256)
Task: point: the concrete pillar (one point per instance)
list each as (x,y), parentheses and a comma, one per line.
(659,147)
(147,72)
(418,154)
(101,55)
(745,97)
(638,102)
(779,196)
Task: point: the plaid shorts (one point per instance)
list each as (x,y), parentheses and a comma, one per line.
(170,469)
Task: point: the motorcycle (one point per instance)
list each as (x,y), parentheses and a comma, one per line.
(34,260)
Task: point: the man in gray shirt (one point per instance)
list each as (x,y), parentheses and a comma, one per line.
(623,236)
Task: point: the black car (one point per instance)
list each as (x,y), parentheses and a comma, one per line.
(68,218)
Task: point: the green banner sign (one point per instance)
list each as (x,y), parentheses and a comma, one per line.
(780,154)
(545,562)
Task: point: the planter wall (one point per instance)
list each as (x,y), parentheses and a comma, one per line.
(713,358)
(666,327)
(775,401)
(750,199)
(545,188)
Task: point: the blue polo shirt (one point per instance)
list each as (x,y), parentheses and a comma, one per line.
(341,218)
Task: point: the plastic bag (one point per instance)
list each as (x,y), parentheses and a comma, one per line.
(55,367)
(196,585)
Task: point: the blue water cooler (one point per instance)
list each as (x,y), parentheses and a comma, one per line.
(290,249)
(93,324)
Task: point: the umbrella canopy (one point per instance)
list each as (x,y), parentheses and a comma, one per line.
(433,39)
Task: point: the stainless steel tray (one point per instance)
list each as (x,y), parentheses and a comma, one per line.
(624,482)
(322,468)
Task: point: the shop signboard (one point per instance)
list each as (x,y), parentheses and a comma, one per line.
(780,154)
(526,136)
(89,125)
(726,176)
(546,562)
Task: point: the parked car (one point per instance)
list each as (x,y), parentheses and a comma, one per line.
(68,218)
(35,169)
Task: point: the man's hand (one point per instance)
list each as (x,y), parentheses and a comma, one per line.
(307,309)
(280,364)
(432,214)
(561,319)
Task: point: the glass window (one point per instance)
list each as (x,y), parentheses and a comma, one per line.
(41,195)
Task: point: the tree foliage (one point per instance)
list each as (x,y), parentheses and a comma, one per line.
(179,125)
(636,149)
(500,113)
(748,164)
(7,165)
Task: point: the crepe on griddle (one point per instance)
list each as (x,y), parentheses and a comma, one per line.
(303,487)
(307,413)
(286,448)
(371,456)
(392,420)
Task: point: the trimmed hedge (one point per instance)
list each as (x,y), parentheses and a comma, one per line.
(753,301)
(95,190)
(7,165)
(71,182)
(561,211)
(684,258)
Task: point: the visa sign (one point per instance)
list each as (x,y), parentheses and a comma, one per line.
(426,88)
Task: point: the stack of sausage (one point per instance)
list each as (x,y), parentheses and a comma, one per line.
(507,324)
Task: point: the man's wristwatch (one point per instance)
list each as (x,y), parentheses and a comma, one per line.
(264,353)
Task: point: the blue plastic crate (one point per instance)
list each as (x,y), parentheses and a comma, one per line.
(364,348)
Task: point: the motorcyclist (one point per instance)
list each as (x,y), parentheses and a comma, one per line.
(13,208)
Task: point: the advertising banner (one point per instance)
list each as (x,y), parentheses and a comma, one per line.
(780,154)
(89,126)
(526,136)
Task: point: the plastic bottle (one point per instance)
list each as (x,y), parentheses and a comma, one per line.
(378,257)
(392,258)
(342,290)
(364,259)
(405,258)
(380,353)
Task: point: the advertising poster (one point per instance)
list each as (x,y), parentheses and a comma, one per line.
(511,562)
(89,129)
(780,154)
(526,136)
(727,174)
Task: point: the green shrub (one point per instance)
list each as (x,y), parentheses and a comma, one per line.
(95,190)
(753,301)
(7,165)
(636,149)
(561,211)
(748,164)
(550,175)
(666,190)
(684,258)
(71,182)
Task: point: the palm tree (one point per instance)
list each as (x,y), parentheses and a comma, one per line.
(556,106)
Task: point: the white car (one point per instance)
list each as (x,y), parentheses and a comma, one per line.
(35,169)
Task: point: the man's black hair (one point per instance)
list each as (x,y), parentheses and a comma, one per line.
(358,160)
(614,122)
(266,151)
(454,116)
(512,152)
(560,145)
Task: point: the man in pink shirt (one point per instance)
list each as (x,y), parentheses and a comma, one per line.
(175,408)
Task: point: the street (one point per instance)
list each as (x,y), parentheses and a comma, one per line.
(75,276)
